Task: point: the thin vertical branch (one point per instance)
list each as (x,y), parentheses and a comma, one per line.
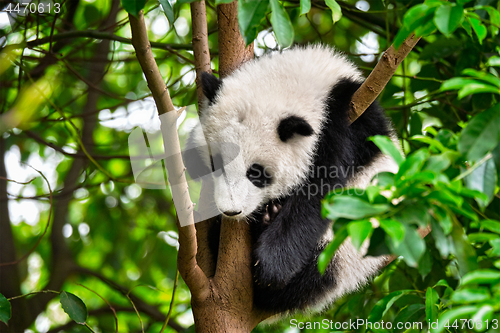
(202,64)
(187,264)
(232,49)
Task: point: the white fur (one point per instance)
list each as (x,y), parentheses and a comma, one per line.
(249,108)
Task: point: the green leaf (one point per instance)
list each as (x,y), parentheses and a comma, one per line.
(359,231)
(494,19)
(133,6)
(425,264)
(443,243)
(491,225)
(426,29)
(5,309)
(496,159)
(438,163)
(327,254)
(493,61)
(483,314)
(448,17)
(168,10)
(411,248)
(382,306)
(394,229)
(487,77)
(477,26)
(470,295)
(464,252)
(305,6)
(351,208)
(417,16)
(477,88)
(413,164)
(74,307)
(449,316)
(456,83)
(281,23)
(250,14)
(481,135)
(387,147)
(410,314)
(431,304)
(483,179)
(336,10)
(481,276)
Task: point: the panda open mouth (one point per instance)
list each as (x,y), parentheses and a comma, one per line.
(270,212)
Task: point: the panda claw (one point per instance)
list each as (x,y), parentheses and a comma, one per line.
(266,217)
(275,209)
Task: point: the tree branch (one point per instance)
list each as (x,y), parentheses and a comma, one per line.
(99,35)
(202,64)
(188,267)
(232,48)
(379,77)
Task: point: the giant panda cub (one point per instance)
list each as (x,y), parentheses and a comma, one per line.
(287,114)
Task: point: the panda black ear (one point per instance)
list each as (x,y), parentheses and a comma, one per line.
(292,125)
(210,85)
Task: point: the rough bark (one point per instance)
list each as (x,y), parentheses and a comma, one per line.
(232,49)
(200,43)
(379,77)
(202,64)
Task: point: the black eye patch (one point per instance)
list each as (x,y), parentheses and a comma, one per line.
(259,176)
(292,125)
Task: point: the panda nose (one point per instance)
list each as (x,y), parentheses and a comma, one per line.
(229,213)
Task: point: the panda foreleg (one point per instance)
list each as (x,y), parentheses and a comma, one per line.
(288,243)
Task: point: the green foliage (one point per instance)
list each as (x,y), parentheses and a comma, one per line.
(443,102)
(250,15)
(5,309)
(335,8)
(446,16)
(432,188)
(133,6)
(74,307)
(281,24)
(168,10)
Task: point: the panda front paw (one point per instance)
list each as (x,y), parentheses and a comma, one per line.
(271,272)
(270,212)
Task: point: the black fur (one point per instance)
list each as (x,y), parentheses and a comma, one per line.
(292,125)
(286,250)
(259,176)
(210,85)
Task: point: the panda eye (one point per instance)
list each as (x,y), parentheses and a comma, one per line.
(259,176)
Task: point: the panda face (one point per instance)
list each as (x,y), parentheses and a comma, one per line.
(272,110)
(257,157)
